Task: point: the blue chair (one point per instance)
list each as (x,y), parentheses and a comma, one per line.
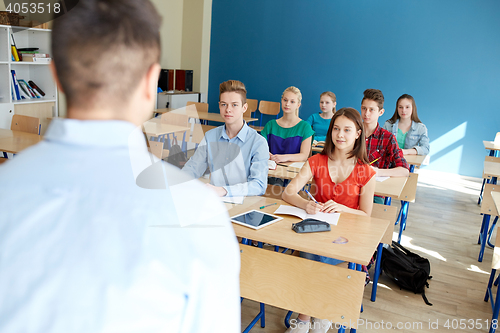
(495,304)
(488,209)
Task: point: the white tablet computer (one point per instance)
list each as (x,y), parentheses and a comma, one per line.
(255,219)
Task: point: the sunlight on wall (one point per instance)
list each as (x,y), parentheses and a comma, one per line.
(445,155)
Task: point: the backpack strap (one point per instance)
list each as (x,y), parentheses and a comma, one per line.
(425,298)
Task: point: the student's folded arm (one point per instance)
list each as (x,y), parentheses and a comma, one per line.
(198,163)
(291,192)
(257,179)
(423,144)
(393,172)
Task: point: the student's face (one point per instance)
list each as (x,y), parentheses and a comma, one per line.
(405,108)
(289,102)
(326,104)
(370,111)
(344,133)
(231,107)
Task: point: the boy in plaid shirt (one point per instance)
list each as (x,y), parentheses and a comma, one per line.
(381,145)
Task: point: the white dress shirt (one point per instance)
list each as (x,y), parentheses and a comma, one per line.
(87,246)
(238,164)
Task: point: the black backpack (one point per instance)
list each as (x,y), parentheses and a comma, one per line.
(176,156)
(409,270)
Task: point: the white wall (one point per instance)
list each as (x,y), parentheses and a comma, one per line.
(185,39)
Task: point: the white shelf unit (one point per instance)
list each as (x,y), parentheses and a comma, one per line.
(43,108)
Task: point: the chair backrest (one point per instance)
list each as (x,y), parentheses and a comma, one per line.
(488,205)
(252,106)
(200,107)
(199,132)
(172,118)
(385,212)
(270,108)
(25,124)
(156,148)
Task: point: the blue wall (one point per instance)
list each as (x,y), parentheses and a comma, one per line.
(446,53)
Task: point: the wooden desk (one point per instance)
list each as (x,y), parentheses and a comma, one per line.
(496,200)
(154,127)
(391,187)
(364,233)
(414,161)
(15,141)
(490,145)
(306,286)
(491,169)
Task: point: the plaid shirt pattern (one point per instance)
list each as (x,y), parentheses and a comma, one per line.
(383,145)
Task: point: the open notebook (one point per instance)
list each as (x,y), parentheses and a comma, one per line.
(332,218)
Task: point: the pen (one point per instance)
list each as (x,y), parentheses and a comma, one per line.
(310,196)
(282,165)
(292,171)
(375,160)
(268,205)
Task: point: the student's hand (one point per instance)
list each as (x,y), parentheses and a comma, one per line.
(221,191)
(278,158)
(313,208)
(333,207)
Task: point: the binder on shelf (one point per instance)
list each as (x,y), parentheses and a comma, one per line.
(35,87)
(16,86)
(32,93)
(12,90)
(22,91)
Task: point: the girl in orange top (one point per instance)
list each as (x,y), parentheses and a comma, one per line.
(344,179)
(345,182)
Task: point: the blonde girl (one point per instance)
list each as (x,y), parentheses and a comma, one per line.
(289,137)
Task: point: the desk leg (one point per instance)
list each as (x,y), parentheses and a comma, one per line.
(491,231)
(377,272)
(484,234)
(412,168)
(496,309)
(260,316)
(403,215)
(387,201)
(490,283)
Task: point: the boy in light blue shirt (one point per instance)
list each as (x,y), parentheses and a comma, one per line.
(235,154)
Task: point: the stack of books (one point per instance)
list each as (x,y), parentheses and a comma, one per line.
(33,55)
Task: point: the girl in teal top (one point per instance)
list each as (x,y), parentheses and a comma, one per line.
(321,121)
(289,137)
